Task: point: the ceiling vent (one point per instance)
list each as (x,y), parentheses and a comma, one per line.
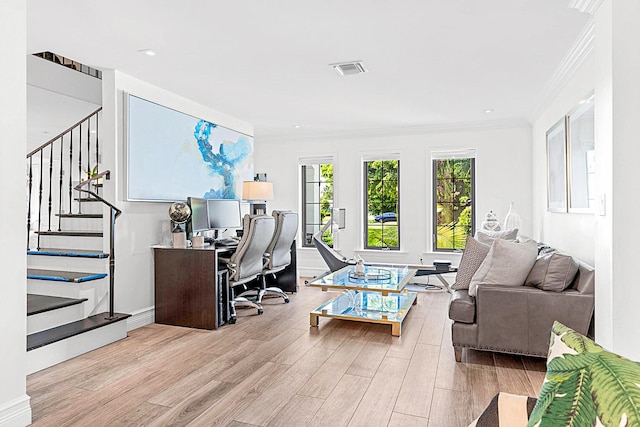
(349,68)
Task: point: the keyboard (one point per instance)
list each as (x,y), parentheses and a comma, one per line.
(227,241)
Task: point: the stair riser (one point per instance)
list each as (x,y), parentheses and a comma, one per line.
(82,224)
(96,292)
(93,243)
(51,319)
(69,348)
(89,208)
(93,265)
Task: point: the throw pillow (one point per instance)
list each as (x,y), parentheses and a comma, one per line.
(472,256)
(487,237)
(586,385)
(552,272)
(507,263)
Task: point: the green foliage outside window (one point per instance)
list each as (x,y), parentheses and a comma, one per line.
(326,200)
(454,202)
(382,192)
(317,204)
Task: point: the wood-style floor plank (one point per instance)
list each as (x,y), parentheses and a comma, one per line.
(275,370)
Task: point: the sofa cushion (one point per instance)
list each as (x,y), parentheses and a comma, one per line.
(462,307)
(507,263)
(586,385)
(473,255)
(552,272)
(487,237)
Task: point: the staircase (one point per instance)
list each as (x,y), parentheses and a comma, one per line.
(70,250)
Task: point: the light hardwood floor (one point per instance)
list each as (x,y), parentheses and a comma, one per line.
(274,370)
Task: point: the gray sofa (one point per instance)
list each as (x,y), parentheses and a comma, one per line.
(518,319)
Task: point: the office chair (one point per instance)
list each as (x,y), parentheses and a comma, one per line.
(334,259)
(246,263)
(278,254)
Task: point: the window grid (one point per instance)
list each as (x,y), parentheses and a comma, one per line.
(317,201)
(382,195)
(453,203)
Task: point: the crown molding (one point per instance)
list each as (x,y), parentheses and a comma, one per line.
(400,131)
(586,6)
(575,58)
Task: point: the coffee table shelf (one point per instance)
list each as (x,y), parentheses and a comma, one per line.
(367,306)
(375,296)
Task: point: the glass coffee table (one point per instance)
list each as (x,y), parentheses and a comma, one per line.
(377,295)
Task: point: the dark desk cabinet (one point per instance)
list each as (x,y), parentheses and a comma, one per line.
(190,289)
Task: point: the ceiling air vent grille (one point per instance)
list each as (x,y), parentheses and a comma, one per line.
(349,68)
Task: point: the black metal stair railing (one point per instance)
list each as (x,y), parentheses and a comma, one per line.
(114,213)
(79,141)
(73,157)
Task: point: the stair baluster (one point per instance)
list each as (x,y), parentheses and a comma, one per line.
(70,169)
(80,168)
(50,186)
(29,202)
(40,198)
(60,189)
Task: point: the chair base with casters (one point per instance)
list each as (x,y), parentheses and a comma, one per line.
(242,300)
(263,291)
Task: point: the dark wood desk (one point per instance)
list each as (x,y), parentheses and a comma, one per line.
(190,288)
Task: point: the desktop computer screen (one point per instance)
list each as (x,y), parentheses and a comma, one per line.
(224,213)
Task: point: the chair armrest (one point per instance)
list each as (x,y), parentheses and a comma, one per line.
(462,307)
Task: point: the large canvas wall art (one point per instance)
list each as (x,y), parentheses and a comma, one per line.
(172,155)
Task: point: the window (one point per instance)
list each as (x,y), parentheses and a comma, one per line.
(382,201)
(453,202)
(317,199)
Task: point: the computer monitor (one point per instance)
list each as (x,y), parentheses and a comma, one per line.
(199,214)
(224,213)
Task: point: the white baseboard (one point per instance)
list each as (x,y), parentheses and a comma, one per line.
(311,272)
(52,354)
(16,413)
(140,318)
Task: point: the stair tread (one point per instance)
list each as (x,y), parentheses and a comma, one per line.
(79,253)
(37,304)
(80,233)
(63,276)
(59,333)
(79,215)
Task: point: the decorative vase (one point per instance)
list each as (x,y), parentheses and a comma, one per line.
(512,221)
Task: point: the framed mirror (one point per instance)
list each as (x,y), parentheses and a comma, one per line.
(557,167)
(580,134)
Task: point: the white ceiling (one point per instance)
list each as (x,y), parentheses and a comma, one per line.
(430,62)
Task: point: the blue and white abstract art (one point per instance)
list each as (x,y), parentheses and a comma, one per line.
(172,155)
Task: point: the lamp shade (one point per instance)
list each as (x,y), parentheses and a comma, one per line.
(257,190)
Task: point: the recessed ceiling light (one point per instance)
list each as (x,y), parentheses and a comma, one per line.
(489,110)
(148,52)
(297,126)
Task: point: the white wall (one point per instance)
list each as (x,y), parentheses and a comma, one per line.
(503,174)
(617,151)
(141,223)
(14,402)
(572,233)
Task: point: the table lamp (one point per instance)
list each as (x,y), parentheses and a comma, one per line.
(257,193)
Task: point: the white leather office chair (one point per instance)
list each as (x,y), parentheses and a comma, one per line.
(278,255)
(246,263)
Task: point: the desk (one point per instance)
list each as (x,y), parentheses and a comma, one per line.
(190,289)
